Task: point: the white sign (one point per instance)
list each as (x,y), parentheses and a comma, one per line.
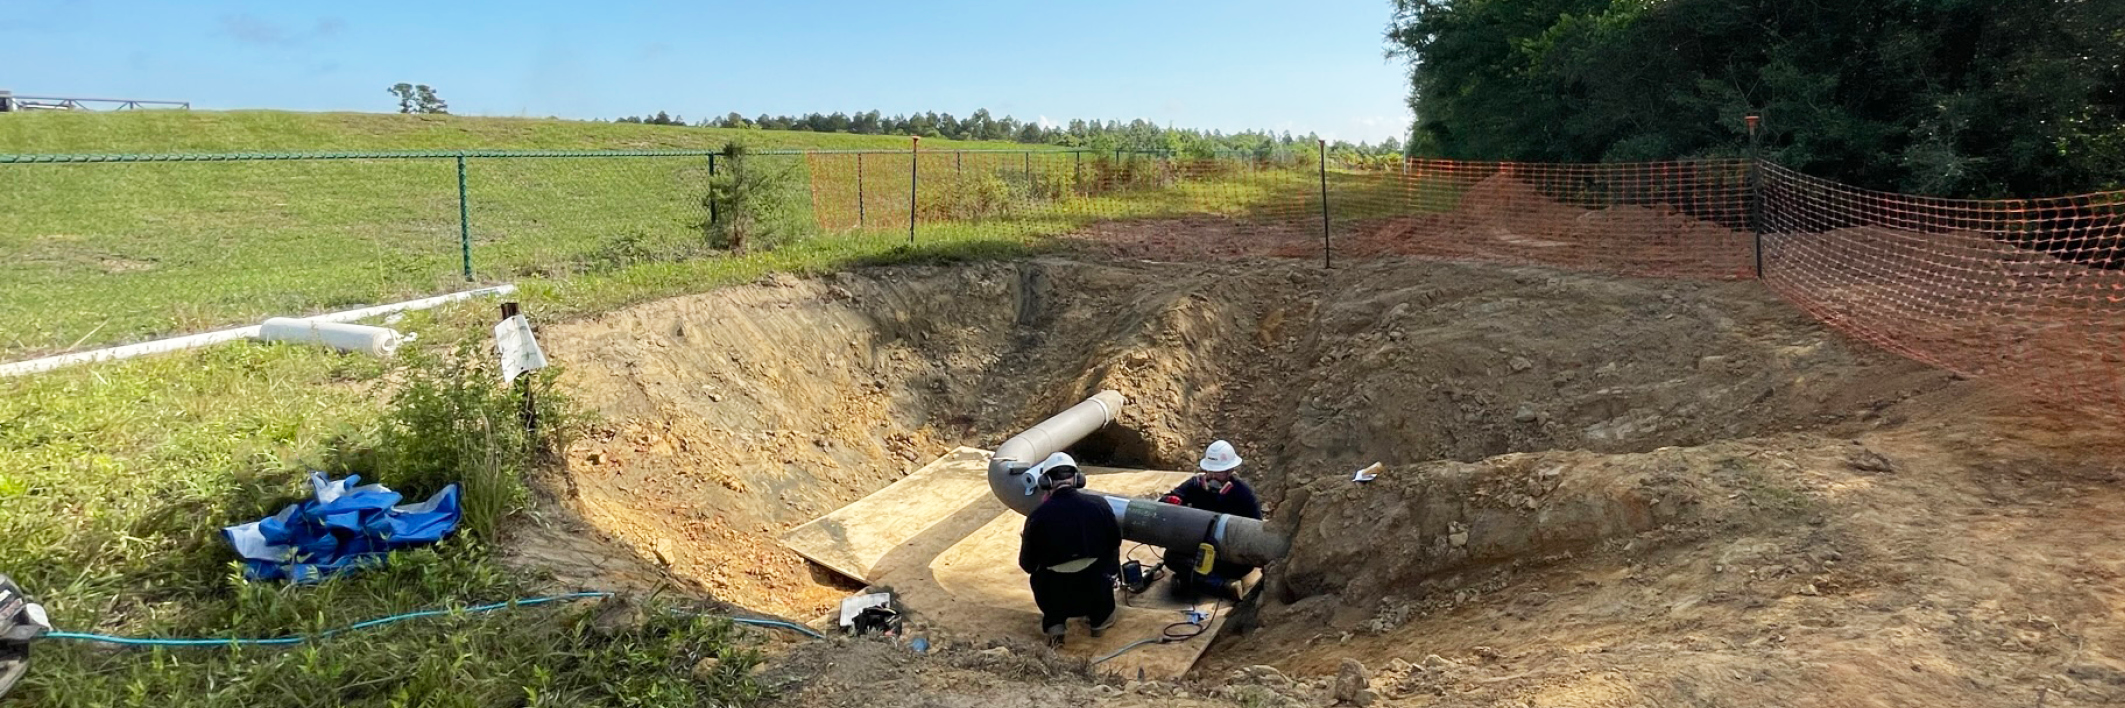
(520,351)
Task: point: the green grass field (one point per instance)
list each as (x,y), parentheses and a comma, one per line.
(112,253)
(115,479)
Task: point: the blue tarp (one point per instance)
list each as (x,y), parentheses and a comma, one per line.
(344,527)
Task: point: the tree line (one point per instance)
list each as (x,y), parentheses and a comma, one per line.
(1137,134)
(1966,98)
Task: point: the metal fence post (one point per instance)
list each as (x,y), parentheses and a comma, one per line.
(1079,155)
(1029,169)
(859,190)
(1755,215)
(1326,259)
(914,182)
(464,218)
(711,174)
(959,161)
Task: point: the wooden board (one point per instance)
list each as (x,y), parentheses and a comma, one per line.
(958,570)
(850,540)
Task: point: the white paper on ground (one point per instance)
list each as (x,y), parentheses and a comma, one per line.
(856,605)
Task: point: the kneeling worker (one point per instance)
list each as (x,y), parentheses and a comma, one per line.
(1218,489)
(1072,547)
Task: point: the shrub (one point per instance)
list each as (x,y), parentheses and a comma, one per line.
(452,420)
(755,202)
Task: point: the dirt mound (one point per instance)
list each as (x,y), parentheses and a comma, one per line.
(1505,220)
(1947,562)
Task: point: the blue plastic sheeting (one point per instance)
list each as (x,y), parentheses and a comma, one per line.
(344,527)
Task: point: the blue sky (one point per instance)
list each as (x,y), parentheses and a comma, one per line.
(1315,66)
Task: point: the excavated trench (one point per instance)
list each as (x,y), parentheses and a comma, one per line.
(734,415)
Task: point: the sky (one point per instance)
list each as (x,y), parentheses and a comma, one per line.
(1241,64)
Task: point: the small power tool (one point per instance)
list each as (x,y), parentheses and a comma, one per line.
(20,622)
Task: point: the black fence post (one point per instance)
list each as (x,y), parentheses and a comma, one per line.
(859,190)
(1326,259)
(1029,169)
(711,174)
(1755,193)
(914,182)
(1079,156)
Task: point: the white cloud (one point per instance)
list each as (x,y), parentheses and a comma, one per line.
(1045,123)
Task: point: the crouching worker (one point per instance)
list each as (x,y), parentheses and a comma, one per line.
(1218,489)
(1072,547)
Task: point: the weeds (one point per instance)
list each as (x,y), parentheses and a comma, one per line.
(451,420)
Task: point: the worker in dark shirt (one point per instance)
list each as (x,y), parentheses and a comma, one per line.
(1218,489)
(1072,548)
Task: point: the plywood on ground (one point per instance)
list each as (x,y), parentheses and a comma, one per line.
(958,570)
(850,540)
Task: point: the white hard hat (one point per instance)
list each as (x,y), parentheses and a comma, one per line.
(1220,457)
(1055,461)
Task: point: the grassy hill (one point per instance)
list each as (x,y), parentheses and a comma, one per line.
(109,253)
(269,131)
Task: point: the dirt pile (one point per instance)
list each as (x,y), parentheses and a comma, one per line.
(1502,219)
(1945,562)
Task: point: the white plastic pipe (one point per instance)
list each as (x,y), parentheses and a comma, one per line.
(192,341)
(380,342)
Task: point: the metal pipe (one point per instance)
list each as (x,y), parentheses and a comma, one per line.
(1237,539)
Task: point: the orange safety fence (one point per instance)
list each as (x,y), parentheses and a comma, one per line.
(2028,292)
(1669,219)
(2024,291)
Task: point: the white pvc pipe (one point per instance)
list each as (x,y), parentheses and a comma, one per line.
(200,340)
(379,342)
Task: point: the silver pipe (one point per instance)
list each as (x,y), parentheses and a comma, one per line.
(1237,539)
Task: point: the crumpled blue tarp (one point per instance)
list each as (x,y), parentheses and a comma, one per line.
(345,527)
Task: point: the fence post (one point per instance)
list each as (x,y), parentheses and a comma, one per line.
(959,161)
(1079,156)
(1755,194)
(1029,169)
(1326,260)
(859,190)
(914,182)
(711,202)
(464,218)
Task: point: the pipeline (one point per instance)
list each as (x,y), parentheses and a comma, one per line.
(1238,539)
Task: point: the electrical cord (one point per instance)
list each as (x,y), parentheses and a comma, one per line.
(298,639)
(1168,635)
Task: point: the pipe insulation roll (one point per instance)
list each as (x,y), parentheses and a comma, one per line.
(379,342)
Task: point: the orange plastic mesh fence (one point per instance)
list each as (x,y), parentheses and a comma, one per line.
(1676,219)
(2026,291)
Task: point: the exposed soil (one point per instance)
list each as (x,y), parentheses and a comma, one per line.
(1599,491)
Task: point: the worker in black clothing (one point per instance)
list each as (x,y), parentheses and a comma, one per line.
(1217,489)
(1072,548)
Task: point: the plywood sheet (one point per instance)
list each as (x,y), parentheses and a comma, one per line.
(850,540)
